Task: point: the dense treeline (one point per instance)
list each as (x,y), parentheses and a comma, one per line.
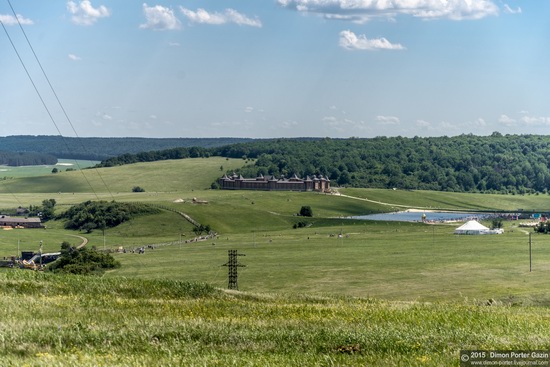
(496,163)
(26,159)
(102,148)
(102,214)
(175,153)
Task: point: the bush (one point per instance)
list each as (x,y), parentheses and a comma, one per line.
(306,211)
(82,261)
(300,224)
(137,189)
(102,214)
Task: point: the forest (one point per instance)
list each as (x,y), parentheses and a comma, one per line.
(511,164)
(26,159)
(97,149)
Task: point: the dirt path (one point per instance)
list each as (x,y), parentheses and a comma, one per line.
(379,202)
(84,240)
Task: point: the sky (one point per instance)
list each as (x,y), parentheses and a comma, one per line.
(274,68)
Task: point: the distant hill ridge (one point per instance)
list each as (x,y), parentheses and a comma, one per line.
(102,148)
(507,164)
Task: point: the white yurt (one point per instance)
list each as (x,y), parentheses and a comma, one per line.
(474,227)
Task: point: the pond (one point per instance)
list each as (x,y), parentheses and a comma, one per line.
(416,216)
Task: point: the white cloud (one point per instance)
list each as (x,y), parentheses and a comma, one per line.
(159,18)
(74,57)
(228,16)
(11,20)
(351,41)
(249,109)
(388,120)
(84,13)
(363,10)
(480,122)
(509,10)
(506,120)
(343,124)
(174,44)
(423,123)
(536,120)
(288,124)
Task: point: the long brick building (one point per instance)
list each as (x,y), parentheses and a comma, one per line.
(271,183)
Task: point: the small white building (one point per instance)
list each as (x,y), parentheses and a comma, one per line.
(474,227)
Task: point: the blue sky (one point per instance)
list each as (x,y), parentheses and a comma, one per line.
(276,68)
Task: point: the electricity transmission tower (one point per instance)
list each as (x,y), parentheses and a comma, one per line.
(233,265)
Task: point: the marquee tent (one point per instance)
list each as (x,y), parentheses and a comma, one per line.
(474,227)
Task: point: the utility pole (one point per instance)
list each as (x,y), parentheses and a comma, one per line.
(233,265)
(530,256)
(41,254)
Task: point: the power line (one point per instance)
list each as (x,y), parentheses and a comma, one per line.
(56,97)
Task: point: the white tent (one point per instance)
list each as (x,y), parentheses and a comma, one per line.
(474,227)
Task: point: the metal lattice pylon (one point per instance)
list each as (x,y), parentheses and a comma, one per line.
(233,265)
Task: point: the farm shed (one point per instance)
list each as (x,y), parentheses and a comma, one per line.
(13,222)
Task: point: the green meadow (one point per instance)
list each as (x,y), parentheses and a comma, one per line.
(337,292)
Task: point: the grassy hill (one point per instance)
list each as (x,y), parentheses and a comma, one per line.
(136,322)
(165,176)
(388,294)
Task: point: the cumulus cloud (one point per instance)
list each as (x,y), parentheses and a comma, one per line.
(342,125)
(388,120)
(480,122)
(201,16)
(351,41)
(11,20)
(159,18)
(362,10)
(423,123)
(84,13)
(506,120)
(535,120)
(74,57)
(288,124)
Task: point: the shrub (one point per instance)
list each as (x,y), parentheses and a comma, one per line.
(300,224)
(306,211)
(103,214)
(82,261)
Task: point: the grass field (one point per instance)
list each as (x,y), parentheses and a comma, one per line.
(397,261)
(382,293)
(9,172)
(79,321)
(162,176)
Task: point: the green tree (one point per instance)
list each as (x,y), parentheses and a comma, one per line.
(48,209)
(305,211)
(83,261)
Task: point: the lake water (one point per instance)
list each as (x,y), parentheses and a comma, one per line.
(417,216)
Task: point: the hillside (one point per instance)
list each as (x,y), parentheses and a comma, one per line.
(129,322)
(511,164)
(102,148)
(165,176)
(338,292)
